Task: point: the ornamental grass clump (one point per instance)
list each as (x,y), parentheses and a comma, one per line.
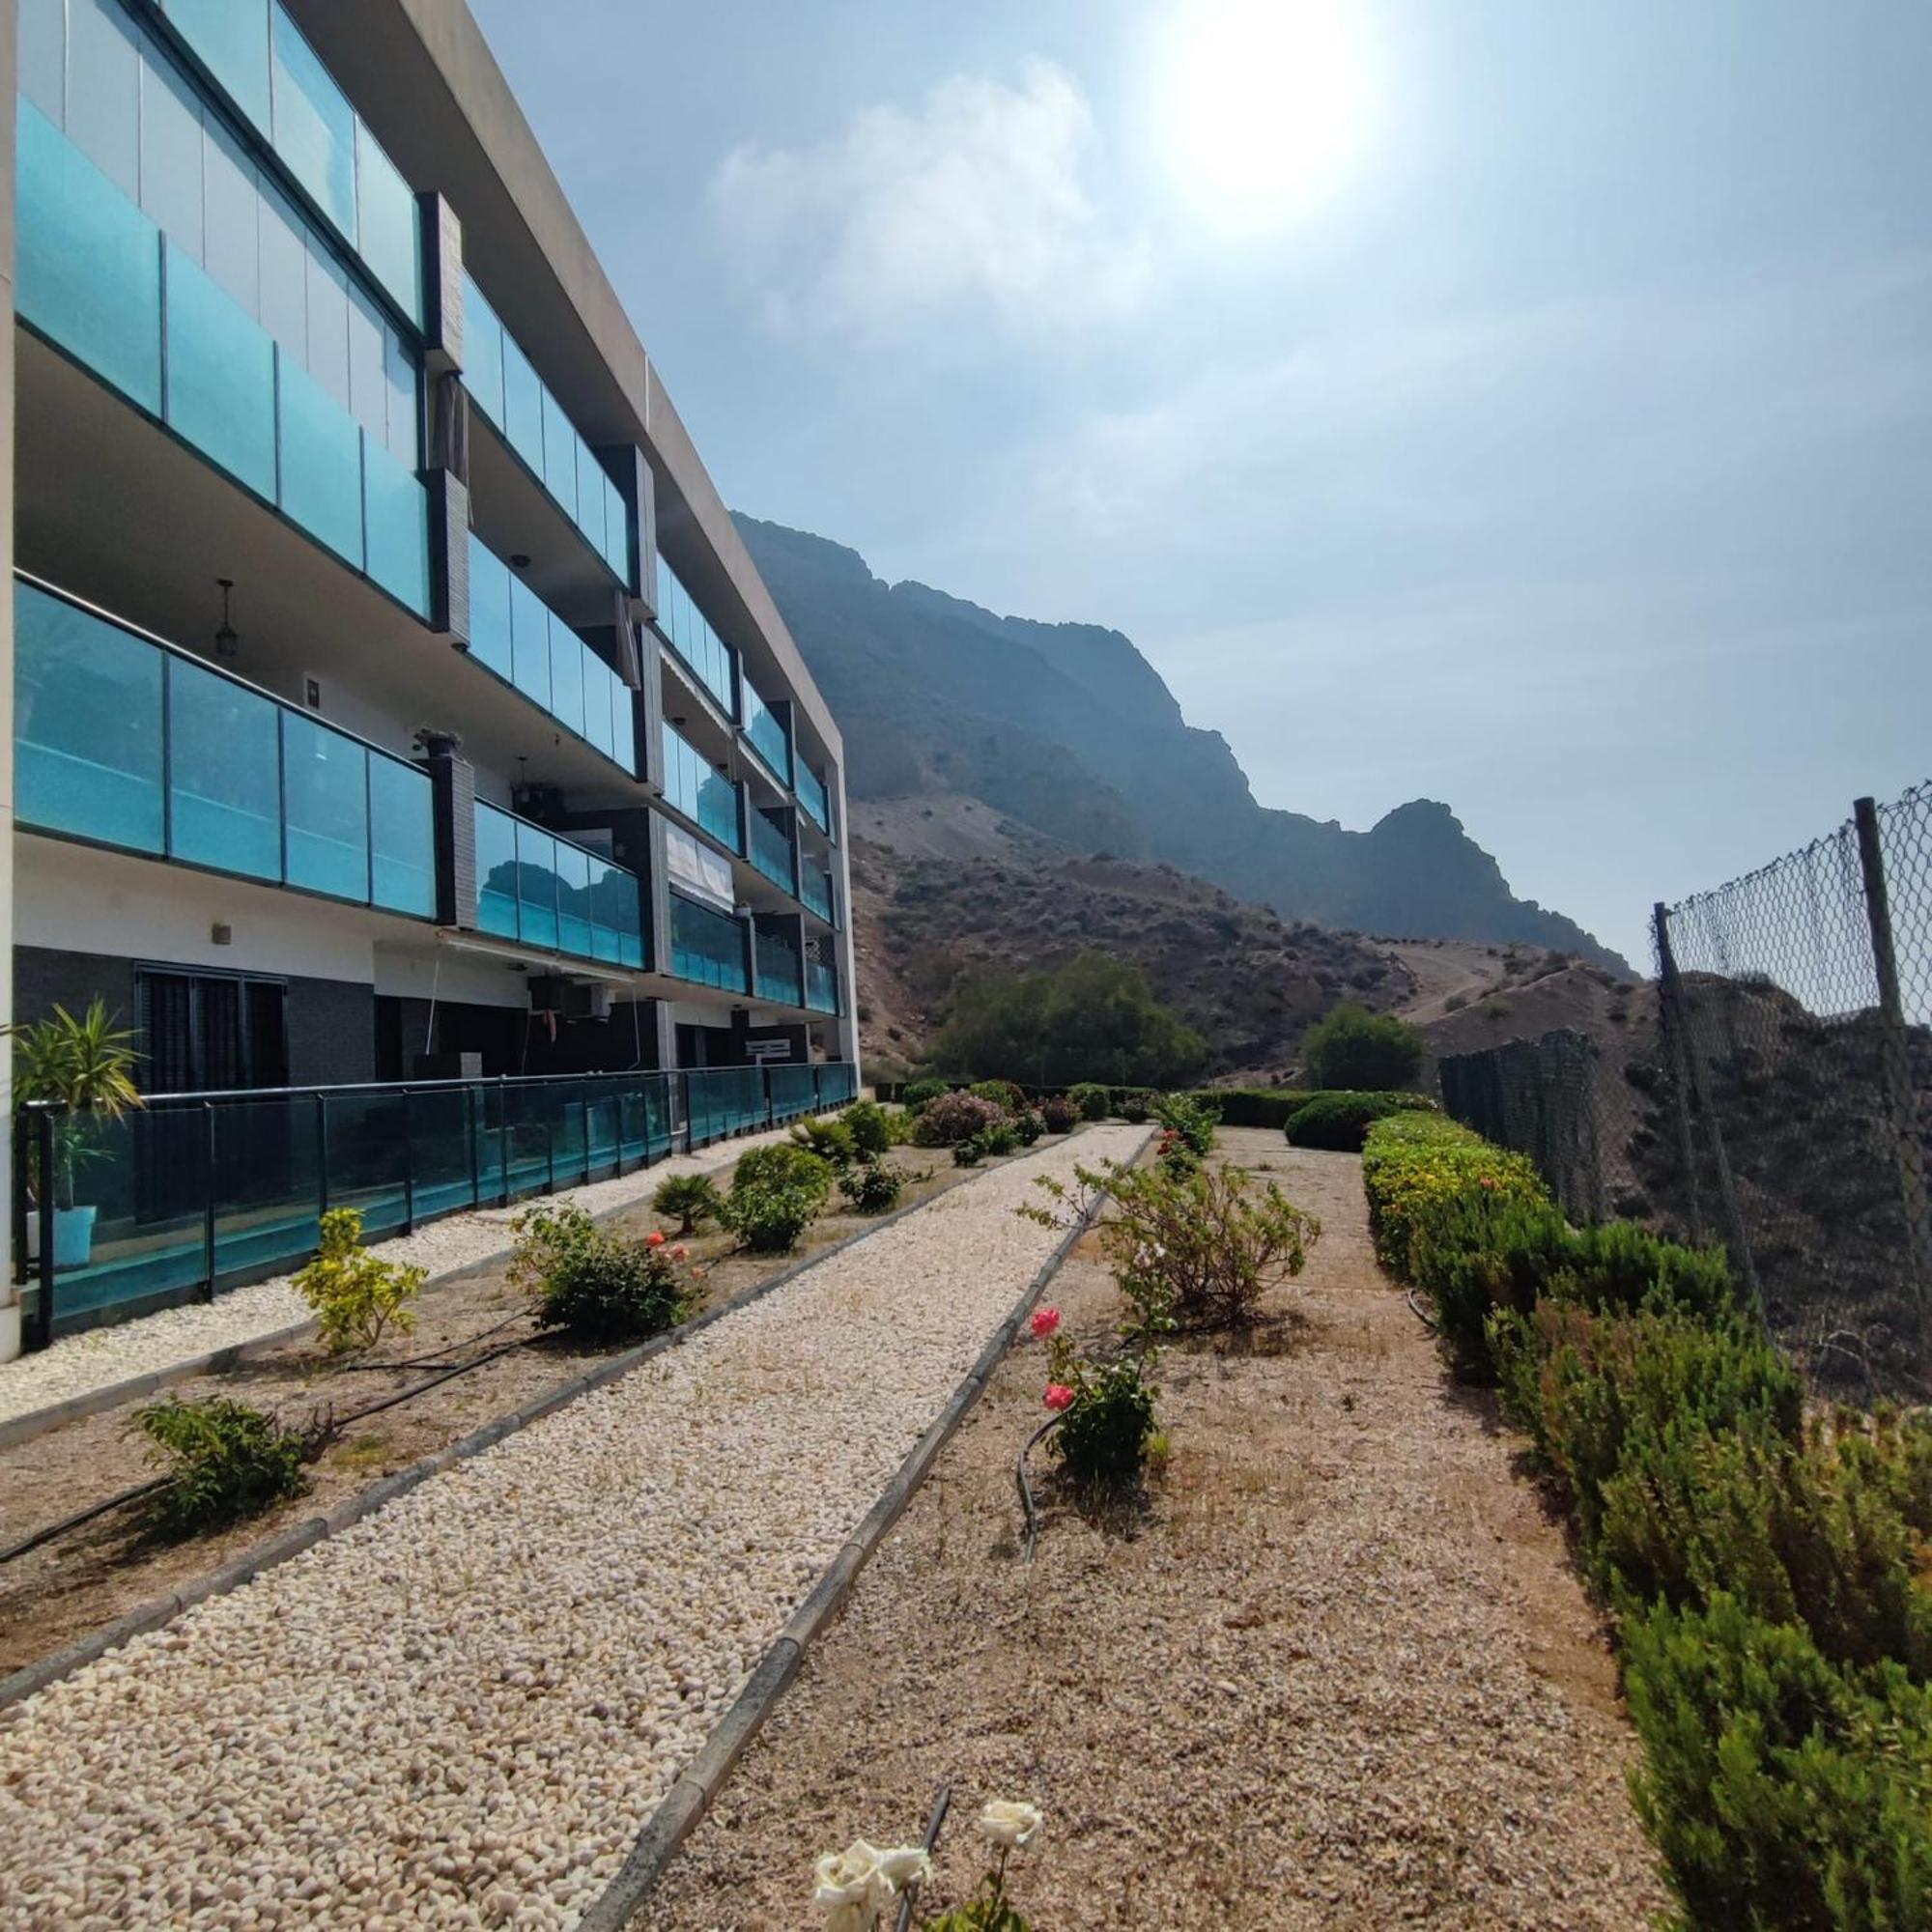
(594,1284)
(355,1295)
(776,1192)
(224,1461)
(692,1197)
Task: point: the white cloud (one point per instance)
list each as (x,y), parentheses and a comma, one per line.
(976,203)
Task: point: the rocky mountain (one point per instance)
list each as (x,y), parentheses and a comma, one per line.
(1067,730)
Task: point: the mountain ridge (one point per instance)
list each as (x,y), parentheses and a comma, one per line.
(1067,728)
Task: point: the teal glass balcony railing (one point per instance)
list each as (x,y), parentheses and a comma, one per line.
(766,735)
(515,634)
(123,741)
(778,977)
(706,946)
(815,892)
(772,852)
(821,987)
(689,633)
(96,276)
(703,794)
(553,892)
(507,390)
(278,84)
(810,790)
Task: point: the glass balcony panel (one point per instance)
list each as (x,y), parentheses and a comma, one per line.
(322,461)
(225,774)
(607,884)
(368,377)
(284,259)
(389,234)
(566,676)
(396,517)
(811,796)
(231,37)
(328,296)
(482,353)
(221,377)
(489,629)
(314,124)
(171,156)
(232,196)
(400,375)
(326,790)
(778,970)
(815,890)
(708,946)
(717,809)
(523,420)
(530,638)
(590,481)
(103,91)
(87,719)
(616,531)
(43,74)
(89,263)
(558,468)
(496,871)
(402,838)
(766,734)
(536,884)
(772,852)
(623,725)
(598,681)
(573,898)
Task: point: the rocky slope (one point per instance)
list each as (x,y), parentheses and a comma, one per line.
(1068,731)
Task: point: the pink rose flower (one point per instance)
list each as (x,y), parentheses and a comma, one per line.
(1057,1397)
(1045,1321)
(655,1239)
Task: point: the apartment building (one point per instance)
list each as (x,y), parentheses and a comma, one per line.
(395,706)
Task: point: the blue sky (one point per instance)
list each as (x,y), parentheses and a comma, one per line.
(1525,406)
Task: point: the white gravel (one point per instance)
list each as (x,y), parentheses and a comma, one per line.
(461,1712)
(174,1337)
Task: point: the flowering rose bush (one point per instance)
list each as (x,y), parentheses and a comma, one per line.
(1059,1396)
(597,1285)
(954,1118)
(857,1888)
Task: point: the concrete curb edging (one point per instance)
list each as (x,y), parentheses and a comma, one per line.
(33,1422)
(681,1810)
(284,1544)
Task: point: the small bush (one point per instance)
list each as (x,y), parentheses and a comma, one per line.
(969,1152)
(1029,1125)
(776,1192)
(870,1188)
(1256,1106)
(919,1095)
(871,1128)
(1005,1094)
(1002,1137)
(1359,1051)
(355,1295)
(831,1139)
(1136,1107)
(954,1118)
(691,1197)
(1103,1433)
(224,1461)
(1060,1114)
(1093,1100)
(596,1285)
(1339,1123)
(1192,1119)
(1206,1245)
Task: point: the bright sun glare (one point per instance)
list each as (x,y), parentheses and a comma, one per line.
(1266,105)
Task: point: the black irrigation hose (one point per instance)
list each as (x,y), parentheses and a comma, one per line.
(1052,1422)
(434,1359)
(1416,1309)
(941,1803)
(74,1522)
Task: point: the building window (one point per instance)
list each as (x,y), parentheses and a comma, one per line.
(209,1031)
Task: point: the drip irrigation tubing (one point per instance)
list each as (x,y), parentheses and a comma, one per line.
(1051,1423)
(941,1803)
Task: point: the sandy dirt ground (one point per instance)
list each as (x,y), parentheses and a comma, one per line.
(1332,1668)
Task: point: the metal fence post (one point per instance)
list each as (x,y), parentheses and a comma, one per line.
(321,1155)
(208,1207)
(44,1312)
(1673,995)
(408,1168)
(1671,1024)
(1901,1101)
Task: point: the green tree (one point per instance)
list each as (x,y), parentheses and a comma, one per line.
(1351,1047)
(1094,1019)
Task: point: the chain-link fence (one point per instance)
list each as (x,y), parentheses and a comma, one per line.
(1778,1097)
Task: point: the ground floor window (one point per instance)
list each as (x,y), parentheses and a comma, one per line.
(203,1032)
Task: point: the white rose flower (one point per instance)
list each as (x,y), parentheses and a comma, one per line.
(1009,1823)
(850,1883)
(906,1864)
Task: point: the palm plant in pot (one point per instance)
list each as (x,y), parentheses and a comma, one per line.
(86,1069)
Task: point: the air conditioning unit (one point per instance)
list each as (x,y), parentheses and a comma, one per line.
(547,993)
(586,1001)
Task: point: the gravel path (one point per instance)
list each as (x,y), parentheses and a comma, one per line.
(1333,1674)
(101,1357)
(461,1712)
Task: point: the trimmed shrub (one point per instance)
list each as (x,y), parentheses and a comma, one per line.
(969,1152)
(871,1128)
(1357,1051)
(1094,1101)
(1338,1123)
(871,1188)
(355,1295)
(776,1192)
(919,1095)
(1005,1094)
(1060,1114)
(1002,1137)
(1029,1125)
(954,1118)
(224,1461)
(691,1197)
(598,1286)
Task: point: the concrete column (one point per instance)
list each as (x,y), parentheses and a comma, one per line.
(453,792)
(842,904)
(10,38)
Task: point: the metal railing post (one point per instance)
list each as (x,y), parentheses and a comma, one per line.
(503,1134)
(321,1155)
(1680,1070)
(771,1098)
(1901,1101)
(208,1207)
(408,1168)
(44,1312)
(23,1128)
(469,1137)
(1673,993)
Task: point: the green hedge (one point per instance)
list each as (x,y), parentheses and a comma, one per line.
(1768,1568)
(1339,1123)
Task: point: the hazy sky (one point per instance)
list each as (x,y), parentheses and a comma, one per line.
(1524,404)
